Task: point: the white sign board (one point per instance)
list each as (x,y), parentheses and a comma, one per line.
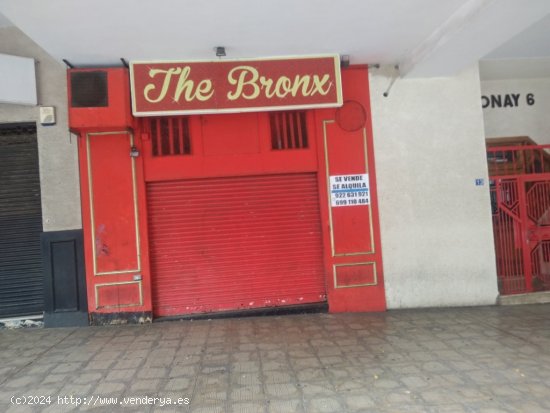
(349,190)
(17,80)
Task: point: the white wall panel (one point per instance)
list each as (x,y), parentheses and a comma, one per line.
(437,239)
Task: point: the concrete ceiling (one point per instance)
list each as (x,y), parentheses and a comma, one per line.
(532,43)
(423,37)
(500,69)
(4,22)
(525,56)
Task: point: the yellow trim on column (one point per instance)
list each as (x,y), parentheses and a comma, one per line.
(335,273)
(97,286)
(348,254)
(91,200)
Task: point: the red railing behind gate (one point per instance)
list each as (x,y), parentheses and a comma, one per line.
(518,160)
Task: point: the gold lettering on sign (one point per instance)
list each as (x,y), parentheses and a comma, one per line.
(249,84)
(203,91)
(243,81)
(319,83)
(185,86)
(165,84)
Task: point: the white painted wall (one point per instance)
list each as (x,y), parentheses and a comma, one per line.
(58,154)
(437,240)
(523,120)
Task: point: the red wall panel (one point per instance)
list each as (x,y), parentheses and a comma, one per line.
(117,273)
(353,255)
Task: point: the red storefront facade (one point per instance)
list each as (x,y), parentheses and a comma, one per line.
(221,209)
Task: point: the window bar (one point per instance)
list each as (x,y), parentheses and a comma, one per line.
(159,137)
(153,132)
(304,129)
(186,136)
(291,125)
(300,140)
(284,132)
(180,134)
(171,137)
(277,122)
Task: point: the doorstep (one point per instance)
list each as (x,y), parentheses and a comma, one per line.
(541,297)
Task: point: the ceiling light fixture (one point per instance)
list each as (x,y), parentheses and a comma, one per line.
(344,60)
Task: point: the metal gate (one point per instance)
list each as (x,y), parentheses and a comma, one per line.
(235,243)
(520,198)
(21,277)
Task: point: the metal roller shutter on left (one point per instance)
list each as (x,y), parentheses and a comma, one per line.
(21,276)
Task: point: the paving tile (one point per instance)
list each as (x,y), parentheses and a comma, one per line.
(324,405)
(80,390)
(277,376)
(359,402)
(318,389)
(128,363)
(269,365)
(19,409)
(109,389)
(486,359)
(285,406)
(209,408)
(247,407)
(20,381)
(245,366)
(385,384)
(246,393)
(54,378)
(145,386)
(305,363)
(179,384)
(209,396)
(152,373)
(449,408)
(282,390)
(121,375)
(314,374)
(99,365)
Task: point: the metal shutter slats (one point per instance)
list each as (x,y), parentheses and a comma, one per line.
(21,277)
(235,243)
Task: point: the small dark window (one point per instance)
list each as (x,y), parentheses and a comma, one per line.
(170,136)
(288,130)
(89,89)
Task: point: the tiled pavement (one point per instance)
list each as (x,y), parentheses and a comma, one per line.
(488,359)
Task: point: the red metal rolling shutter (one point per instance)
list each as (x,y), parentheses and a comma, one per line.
(235,243)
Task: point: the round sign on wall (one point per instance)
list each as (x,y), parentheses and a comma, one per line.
(351,116)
